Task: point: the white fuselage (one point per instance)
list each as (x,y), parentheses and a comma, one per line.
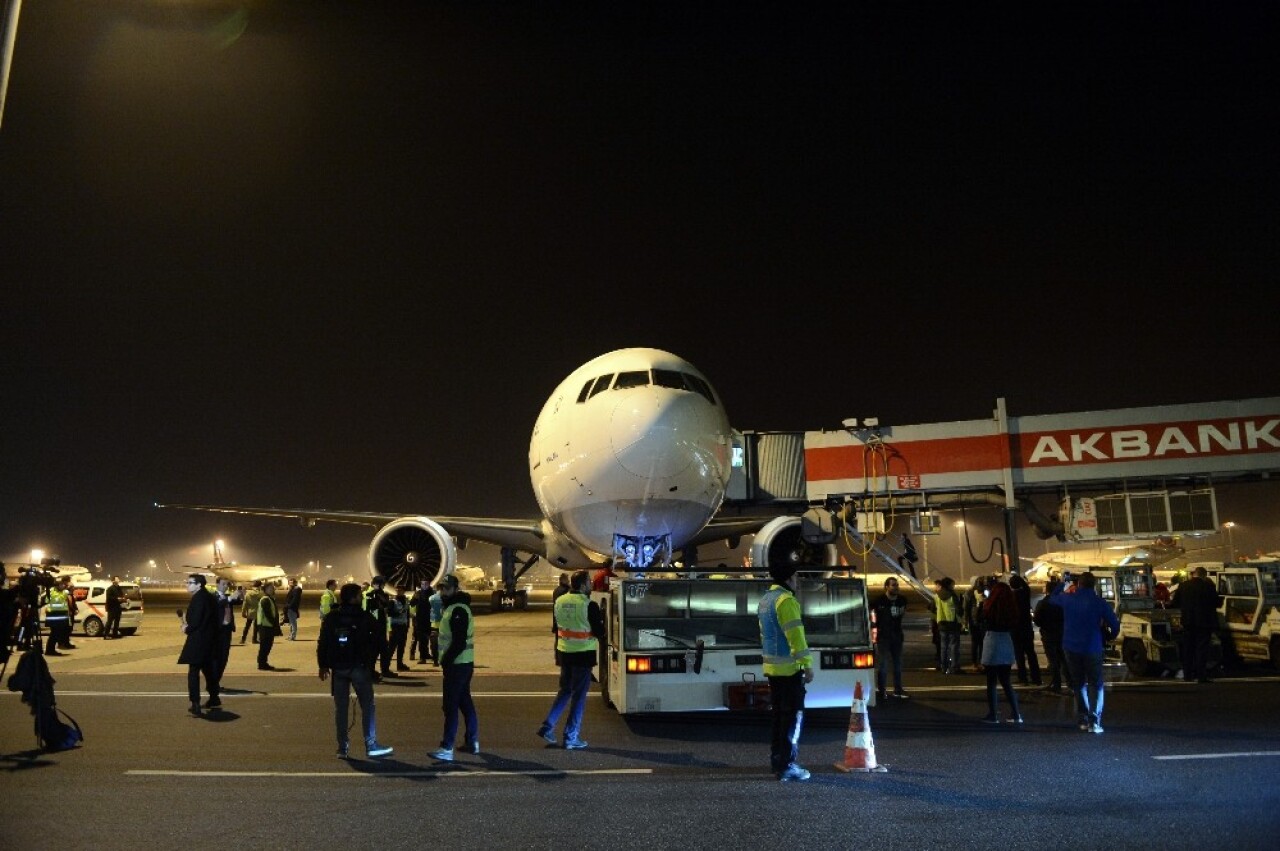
(633,465)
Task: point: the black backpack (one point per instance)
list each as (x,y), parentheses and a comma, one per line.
(349,646)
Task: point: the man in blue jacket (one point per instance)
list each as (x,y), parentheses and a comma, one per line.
(1085,617)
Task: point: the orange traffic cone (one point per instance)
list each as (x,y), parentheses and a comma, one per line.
(859,749)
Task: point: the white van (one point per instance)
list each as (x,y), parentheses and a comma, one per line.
(91,607)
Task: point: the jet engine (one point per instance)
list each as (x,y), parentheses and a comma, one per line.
(411,549)
(780,542)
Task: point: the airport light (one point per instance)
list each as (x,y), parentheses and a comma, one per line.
(1231,546)
(959,524)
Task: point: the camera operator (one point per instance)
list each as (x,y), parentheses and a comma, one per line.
(31,579)
(8,613)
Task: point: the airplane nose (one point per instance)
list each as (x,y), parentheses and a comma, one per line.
(654,431)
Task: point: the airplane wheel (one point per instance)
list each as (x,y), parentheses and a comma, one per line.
(92,627)
(522,600)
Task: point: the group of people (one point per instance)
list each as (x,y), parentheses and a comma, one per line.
(35,589)
(353,644)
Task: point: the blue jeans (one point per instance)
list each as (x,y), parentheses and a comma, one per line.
(950,650)
(575,681)
(457,697)
(1086,682)
(292,617)
(361,679)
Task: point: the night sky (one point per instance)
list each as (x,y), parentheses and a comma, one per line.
(336,254)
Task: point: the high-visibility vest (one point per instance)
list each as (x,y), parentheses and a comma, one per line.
(446,633)
(57,606)
(786,651)
(327,601)
(573,627)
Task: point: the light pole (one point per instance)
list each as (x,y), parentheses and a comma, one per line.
(959,524)
(1231,546)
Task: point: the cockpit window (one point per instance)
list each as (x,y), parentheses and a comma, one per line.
(602,383)
(586,390)
(697,385)
(668,378)
(637,378)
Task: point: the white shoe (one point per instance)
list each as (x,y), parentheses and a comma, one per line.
(442,754)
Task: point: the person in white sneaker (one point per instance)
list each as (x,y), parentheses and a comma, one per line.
(348,650)
(788,665)
(579,629)
(457,661)
(1084,617)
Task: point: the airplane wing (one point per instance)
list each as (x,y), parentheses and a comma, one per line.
(524,535)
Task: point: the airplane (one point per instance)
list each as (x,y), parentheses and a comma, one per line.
(629,461)
(239,574)
(1155,552)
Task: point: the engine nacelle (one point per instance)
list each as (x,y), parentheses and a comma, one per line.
(781,542)
(411,549)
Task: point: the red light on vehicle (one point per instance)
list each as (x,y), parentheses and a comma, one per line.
(639,664)
(864,660)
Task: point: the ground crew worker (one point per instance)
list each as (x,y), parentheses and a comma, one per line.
(375,603)
(436,602)
(457,658)
(788,665)
(579,628)
(329,599)
(57,619)
(249,611)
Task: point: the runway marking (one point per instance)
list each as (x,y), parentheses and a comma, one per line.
(548,772)
(242,695)
(1218,755)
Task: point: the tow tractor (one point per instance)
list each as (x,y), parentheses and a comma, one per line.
(1249,611)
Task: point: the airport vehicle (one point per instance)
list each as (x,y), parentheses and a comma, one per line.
(629,460)
(689,644)
(239,574)
(1149,631)
(91,606)
(1249,608)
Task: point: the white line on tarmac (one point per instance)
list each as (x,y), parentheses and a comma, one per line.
(236,694)
(1217,755)
(366,774)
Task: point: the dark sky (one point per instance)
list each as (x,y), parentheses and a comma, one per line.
(336,254)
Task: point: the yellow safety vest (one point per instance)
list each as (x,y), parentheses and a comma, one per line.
(786,650)
(446,633)
(57,604)
(573,627)
(327,601)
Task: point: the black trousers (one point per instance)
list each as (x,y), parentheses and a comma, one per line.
(787,695)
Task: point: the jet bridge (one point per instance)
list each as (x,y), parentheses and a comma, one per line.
(1130,472)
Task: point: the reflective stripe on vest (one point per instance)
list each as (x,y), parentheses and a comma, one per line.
(573,627)
(446,633)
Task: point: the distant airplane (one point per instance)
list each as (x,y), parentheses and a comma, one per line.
(629,461)
(1155,552)
(239,574)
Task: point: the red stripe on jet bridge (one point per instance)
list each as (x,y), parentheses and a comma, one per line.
(913,458)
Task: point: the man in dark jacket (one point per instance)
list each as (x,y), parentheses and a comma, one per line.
(347,649)
(115,607)
(1049,618)
(1024,636)
(225,605)
(888,610)
(199,651)
(1198,599)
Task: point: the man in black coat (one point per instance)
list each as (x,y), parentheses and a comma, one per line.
(1024,637)
(199,651)
(115,607)
(1197,597)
